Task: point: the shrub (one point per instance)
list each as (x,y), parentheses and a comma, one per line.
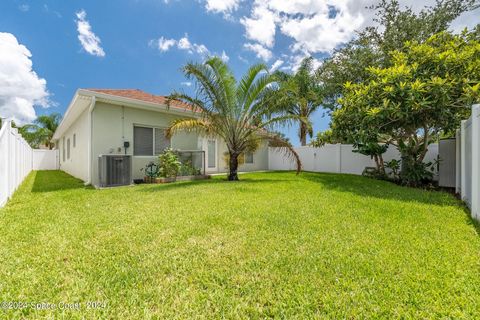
(169,164)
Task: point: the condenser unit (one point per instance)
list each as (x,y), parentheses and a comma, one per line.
(115,170)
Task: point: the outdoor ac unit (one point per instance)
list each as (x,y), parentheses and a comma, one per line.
(115,170)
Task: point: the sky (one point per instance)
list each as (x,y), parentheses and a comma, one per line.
(49,49)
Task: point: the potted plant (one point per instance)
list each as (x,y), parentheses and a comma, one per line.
(169,166)
(152,170)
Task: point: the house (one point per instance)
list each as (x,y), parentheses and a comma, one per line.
(104,121)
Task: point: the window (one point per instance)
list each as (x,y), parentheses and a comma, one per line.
(249,157)
(74,140)
(149,141)
(68,148)
(161,142)
(63,149)
(211,153)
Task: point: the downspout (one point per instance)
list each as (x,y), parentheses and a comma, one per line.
(90,135)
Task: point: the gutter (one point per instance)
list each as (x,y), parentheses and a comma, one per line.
(90,135)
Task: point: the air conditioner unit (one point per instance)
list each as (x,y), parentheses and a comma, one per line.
(115,170)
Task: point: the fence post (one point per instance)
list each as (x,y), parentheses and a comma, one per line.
(475,161)
(458,160)
(463,168)
(339,157)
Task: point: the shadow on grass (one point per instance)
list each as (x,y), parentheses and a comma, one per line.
(213,181)
(55,180)
(368,187)
(471,221)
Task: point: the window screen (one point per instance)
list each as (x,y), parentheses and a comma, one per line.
(142,141)
(68,148)
(249,157)
(161,142)
(211,154)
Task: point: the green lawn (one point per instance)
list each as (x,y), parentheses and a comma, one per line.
(272,245)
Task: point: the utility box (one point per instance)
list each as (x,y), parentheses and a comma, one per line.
(115,170)
(447,165)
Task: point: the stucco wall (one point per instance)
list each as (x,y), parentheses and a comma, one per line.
(260,159)
(113,124)
(77,164)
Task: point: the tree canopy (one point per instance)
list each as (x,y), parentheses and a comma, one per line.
(426,91)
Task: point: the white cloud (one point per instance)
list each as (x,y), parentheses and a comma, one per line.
(243,59)
(20,87)
(260,51)
(261,25)
(276,65)
(224,57)
(163,44)
(319,26)
(184,44)
(319,32)
(222,6)
(186,83)
(24,7)
(90,42)
(314,25)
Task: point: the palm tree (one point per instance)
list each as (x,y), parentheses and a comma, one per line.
(299,94)
(231,110)
(42,130)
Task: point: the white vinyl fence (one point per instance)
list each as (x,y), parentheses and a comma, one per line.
(468,162)
(45,159)
(337,158)
(18,159)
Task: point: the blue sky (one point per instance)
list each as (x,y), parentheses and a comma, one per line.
(143,43)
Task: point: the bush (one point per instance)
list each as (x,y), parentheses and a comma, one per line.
(169,164)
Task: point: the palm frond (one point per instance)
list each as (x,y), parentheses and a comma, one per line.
(284,147)
(189,125)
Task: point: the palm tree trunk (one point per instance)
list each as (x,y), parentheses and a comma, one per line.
(233,175)
(303,134)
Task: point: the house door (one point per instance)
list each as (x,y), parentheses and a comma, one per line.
(212,155)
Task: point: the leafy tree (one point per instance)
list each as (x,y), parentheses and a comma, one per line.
(300,95)
(425,92)
(395,26)
(375,151)
(41,131)
(327,137)
(232,110)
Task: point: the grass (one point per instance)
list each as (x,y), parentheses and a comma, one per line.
(272,245)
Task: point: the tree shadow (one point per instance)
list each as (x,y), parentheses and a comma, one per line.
(55,180)
(214,181)
(369,187)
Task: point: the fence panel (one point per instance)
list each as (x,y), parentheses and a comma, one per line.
(15,161)
(338,158)
(45,159)
(468,162)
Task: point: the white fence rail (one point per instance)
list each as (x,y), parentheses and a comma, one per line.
(18,159)
(337,158)
(468,162)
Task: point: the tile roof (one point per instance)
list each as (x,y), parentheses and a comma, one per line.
(143,96)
